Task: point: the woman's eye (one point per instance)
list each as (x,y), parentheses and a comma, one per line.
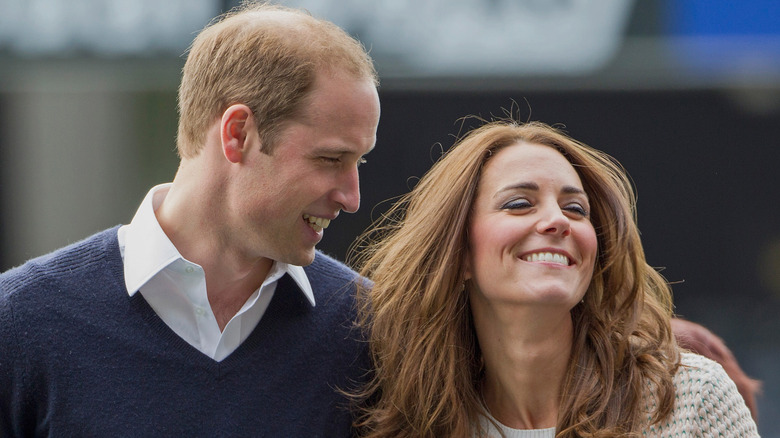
(577,208)
(516,204)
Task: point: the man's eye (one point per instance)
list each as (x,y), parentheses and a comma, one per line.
(332,160)
(516,204)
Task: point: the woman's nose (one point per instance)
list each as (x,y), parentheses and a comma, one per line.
(554,221)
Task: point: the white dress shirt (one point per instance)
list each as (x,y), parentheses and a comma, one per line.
(176,288)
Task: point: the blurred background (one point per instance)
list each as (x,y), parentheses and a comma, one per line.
(685,93)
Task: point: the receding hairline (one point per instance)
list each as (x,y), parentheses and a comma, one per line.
(298,26)
(275,16)
(272,17)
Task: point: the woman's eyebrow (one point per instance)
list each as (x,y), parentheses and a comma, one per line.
(521,185)
(571,190)
(532,186)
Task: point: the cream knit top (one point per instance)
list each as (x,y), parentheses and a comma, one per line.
(707,404)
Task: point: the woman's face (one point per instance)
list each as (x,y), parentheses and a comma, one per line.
(530,236)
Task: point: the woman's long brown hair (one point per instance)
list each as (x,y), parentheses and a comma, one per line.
(428,366)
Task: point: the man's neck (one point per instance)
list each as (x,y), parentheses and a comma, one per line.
(188,215)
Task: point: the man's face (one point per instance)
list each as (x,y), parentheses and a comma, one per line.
(284,200)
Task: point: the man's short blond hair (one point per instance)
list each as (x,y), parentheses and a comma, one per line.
(266,57)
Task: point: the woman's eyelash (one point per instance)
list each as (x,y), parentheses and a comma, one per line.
(524,203)
(517,203)
(579,209)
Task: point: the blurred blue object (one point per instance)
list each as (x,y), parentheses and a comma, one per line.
(717,37)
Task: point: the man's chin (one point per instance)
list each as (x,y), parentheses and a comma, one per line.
(304,258)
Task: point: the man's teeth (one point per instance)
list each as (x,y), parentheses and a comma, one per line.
(316,223)
(547,257)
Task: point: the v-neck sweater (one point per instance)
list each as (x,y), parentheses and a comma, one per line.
(79,357)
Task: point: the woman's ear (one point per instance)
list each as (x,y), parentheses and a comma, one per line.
(467,266)
(233,129)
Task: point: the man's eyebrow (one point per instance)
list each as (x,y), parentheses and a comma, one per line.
(338,150)
(331,150)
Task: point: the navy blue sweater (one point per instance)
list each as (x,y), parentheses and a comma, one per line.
(79,357)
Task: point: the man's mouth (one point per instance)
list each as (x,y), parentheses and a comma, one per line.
(547,257)
(316,223)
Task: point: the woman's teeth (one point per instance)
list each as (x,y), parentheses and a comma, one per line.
(547,257)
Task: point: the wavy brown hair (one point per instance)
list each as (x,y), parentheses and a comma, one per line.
(428,365)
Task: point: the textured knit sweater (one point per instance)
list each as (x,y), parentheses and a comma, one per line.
(706,404)
(79,357)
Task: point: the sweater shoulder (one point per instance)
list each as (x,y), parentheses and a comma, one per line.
(327,268)
(334,284)
(75,262)
(707,402)
(699,375)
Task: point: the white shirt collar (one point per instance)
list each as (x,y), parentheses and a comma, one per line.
(147,250)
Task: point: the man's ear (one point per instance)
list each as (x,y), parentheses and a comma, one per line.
(233,129)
